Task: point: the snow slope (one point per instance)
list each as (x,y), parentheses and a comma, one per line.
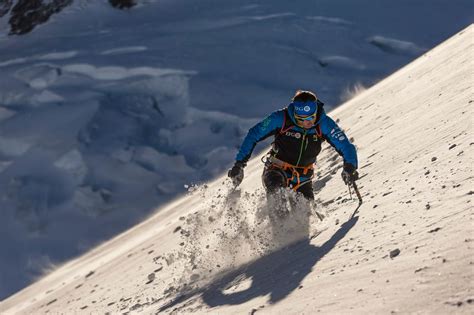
(107,114)
(408,250)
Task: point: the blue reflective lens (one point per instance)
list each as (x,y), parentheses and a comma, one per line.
(303,118)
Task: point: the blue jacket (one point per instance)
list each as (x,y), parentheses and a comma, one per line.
(287,132)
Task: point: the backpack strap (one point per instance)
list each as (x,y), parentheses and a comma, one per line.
(319,133)
(287,124)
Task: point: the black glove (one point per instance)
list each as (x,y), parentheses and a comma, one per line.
(349,173)
(237,172)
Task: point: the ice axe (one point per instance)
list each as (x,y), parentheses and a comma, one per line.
(356,190)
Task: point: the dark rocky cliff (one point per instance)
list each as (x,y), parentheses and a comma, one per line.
(25,15)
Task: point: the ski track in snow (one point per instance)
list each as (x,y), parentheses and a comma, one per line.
(58,55)
(124,50)
(332,20)
(45,57)
(396,46)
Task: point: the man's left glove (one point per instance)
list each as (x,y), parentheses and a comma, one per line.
(237,172)
(349,173)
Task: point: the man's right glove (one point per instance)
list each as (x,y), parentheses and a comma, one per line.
(237,172)
(349,173)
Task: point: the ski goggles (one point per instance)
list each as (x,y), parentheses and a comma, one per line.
(305,118)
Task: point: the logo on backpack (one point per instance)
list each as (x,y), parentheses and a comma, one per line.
(296,135)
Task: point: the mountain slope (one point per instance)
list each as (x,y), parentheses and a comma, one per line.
(408,250)
(106,114)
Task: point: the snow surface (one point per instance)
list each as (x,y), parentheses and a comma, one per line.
(407,250)
(106,115)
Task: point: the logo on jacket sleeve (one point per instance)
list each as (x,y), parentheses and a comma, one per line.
(338,134)
(265,123)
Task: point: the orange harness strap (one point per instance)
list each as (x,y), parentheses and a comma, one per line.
(306,169)
(295,175)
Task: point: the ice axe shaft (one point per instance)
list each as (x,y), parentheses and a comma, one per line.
(356,190)
(354,185)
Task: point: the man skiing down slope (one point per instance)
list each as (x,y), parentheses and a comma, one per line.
(298,130)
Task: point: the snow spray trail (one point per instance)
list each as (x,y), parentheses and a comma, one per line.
(275,275)
(233,228)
